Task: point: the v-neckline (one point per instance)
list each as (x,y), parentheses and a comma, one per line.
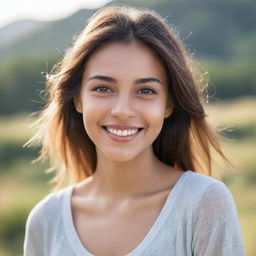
(80,249)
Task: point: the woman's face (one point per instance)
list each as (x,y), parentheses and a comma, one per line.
(123,100)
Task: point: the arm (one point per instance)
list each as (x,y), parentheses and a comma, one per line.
(217,229)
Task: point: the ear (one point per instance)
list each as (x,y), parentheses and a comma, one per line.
(168,110)
(77,103)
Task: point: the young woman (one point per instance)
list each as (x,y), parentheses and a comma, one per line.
(125,128)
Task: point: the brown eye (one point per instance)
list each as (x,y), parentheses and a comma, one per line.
(102,89)
(147,91)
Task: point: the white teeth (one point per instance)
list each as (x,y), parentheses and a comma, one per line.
(122,132)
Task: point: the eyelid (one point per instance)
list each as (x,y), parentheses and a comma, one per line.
(148,88)
(100,86)
(142,88)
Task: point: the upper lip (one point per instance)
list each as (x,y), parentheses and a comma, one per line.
(122,127)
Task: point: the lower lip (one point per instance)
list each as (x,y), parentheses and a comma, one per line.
(122,138)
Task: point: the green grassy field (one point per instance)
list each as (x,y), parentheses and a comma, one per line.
(23,184)
(239,118)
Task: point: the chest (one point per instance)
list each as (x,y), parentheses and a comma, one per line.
(119,230)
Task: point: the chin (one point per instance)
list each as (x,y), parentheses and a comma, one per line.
(120,157)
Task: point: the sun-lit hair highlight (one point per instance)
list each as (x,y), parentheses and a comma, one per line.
(186,139)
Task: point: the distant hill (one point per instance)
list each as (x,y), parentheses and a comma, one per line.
(209,28)
(220,33)
(17,29)
(50,37)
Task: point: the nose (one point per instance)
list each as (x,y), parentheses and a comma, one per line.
(122,108)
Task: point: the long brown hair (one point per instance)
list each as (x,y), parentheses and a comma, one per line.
(185,140)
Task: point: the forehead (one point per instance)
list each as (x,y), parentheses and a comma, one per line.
(133,60)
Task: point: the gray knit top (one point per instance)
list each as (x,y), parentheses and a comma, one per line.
(199,217)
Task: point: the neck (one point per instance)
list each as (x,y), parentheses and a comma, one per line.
(126,179)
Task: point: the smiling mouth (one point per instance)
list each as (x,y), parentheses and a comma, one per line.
(122,133)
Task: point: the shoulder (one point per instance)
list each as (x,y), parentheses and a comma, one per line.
(214,221)
(211,197)
(201,185)
(47,208)
(204,203)
(212,189)
(204,192)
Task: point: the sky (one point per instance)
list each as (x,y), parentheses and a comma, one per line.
(12,10)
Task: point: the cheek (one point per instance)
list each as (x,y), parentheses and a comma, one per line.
(154,114)
(155,109)
(92,114)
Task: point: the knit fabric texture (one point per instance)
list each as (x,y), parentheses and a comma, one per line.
(199,218)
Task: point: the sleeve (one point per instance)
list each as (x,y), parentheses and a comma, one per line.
(217,229)
(33,242)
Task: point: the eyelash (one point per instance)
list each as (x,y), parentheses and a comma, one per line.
(99,87)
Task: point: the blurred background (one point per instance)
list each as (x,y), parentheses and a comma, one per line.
(220,34)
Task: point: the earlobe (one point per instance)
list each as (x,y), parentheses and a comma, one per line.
(168,111)
(77,104)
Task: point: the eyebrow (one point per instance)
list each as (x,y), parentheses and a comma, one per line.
(112,80)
